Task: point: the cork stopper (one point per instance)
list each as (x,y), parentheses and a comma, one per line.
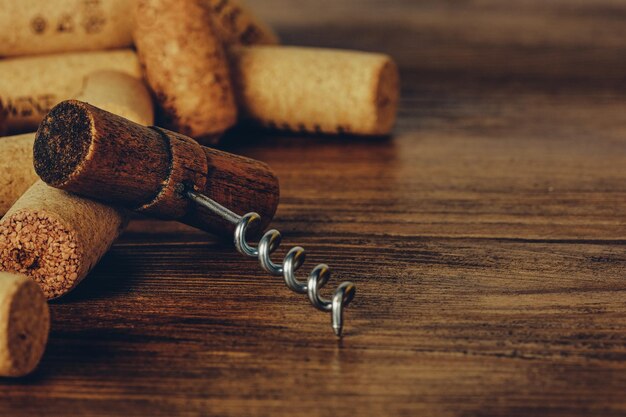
(56,238)
(316,90)
(67,142)
(31,86)
(186,67)
(52,26)
(24,325)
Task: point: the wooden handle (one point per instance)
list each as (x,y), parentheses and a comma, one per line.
(83,149)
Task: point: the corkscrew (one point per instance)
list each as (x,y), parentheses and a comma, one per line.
(88,151)
(294,259)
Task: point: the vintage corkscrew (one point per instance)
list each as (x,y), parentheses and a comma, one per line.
(88,151)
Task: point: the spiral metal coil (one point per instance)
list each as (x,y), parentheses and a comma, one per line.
(294,259)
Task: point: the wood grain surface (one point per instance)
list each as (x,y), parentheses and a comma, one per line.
(487,239)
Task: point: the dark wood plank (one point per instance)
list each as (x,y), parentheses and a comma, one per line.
(487,239)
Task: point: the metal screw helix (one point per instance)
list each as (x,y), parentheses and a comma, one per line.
(294,259)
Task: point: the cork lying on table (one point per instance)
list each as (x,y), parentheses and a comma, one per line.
(56,238)
(316,90)
(24,325)
(186,67)
(31,27)
(114,91)
(30,87)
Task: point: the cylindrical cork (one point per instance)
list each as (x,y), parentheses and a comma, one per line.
(237,25)
(113,91)
(186,67)
(91,152)
(24,325)
(30,87)
(316,90)
(31,27)
(56,238)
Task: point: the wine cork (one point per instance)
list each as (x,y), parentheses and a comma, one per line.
(237,25)
(316,90)
(186,67)
(31,27)
(30,87)
(56,238)
(114,91)
(24,325)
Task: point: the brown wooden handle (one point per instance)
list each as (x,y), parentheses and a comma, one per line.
(88,151)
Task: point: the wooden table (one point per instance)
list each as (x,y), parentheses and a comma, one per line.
(487,239)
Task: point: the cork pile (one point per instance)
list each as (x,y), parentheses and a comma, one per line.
(49,238)
(56,238)
(196,67)
(49,235)
(209,64)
